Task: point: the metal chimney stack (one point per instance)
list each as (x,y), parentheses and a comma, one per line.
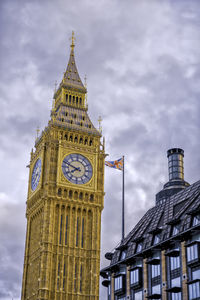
(176,175)
(175,164)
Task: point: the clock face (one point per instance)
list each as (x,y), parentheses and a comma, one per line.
(36,175)
(77,168)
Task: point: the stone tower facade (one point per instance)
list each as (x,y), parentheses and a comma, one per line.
(65,200)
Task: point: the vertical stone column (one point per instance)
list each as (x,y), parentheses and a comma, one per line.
(112,287)
(164,275)
(145,277)
(184,272)
(128,290)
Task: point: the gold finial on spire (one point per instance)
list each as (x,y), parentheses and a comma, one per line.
(85,83)
(73,40)
(100,127)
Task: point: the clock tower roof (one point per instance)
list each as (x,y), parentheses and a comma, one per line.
(71,78)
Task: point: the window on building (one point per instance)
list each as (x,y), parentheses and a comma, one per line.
(109,289)
(156,239)
(59,269)
(64,277)
(156,289)
(195,272)
(75,277)
(66,225)
(176,282)
(196,220)
(195,237)
(192,252)
(82,238)
(139,247)
(194,290)
(137,295)
(81,273)
(60,241)
(135,276)
(176,229)
(77,231)
(118,283)
(155,271)
(176,296)
(123,255)
(58,284)
(174,262)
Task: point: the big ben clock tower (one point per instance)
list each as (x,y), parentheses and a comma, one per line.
(65,200)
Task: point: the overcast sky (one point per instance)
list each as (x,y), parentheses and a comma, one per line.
(142,61)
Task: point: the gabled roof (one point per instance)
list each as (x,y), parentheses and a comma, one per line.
(176,209)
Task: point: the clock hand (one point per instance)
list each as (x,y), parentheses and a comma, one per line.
(75,169)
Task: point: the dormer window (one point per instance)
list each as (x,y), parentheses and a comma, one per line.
(139,247)
(196,220)
(123,255)
(176,229)
(156,239)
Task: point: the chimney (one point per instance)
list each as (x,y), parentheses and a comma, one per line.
(176,175)
(175,164)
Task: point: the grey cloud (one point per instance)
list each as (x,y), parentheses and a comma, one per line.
(142,61)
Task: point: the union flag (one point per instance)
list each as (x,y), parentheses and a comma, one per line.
(116,164)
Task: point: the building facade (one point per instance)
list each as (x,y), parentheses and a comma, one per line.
(65,200)
(160,257)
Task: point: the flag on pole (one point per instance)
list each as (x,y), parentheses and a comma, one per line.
(116,164)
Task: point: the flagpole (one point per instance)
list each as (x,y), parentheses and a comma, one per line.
(123,200)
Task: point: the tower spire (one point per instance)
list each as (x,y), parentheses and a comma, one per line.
(71,77)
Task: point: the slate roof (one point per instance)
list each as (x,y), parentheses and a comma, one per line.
(177,209)
(74,119)
(71,77)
